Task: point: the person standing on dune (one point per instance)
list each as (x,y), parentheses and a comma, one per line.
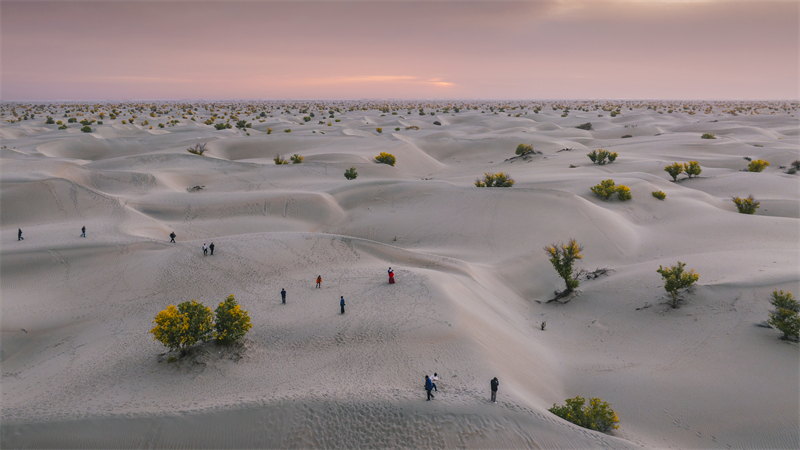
(319,280)
(391,276)
(205,249)
(172,237)
(211,247)
(341,303)
(283,296)
(83,231)
(428,387)
(19,234)
(493,384)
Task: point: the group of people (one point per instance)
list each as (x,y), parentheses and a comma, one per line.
(430,385)
(20,238)
(206,248)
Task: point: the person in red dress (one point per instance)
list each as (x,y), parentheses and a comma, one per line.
(391,276)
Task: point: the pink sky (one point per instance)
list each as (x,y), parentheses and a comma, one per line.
(382,49)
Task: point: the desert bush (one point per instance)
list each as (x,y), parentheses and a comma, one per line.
(222,126)
(627,136)
(708,136)
(597,415)
(161,125)
(59,123)
(62,127)
(692,168)
(436,122)
(85,122)
(351,173)
(676,279)
(296,159)
(242,124)
(623,192)
(659,195)
(99,122)
(49,121)
(747,205)
(86,129)
(307,119)
(674,170)
(563,258)
(757,165)
(72,120)
(386,158)
(495,180)
(605,189)
(600,156)
(379,130)
(795,164)
(180,328)
(288,130)
(232,322)
(523,149)
(279,160)
(786,316)
(585,126)
(269,130)
(197,149)
(397,129)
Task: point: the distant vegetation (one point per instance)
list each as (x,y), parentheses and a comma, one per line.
(585,126)
(676,279)
(296,159)
(197,149)
(86,129)
(523,149)
(786,316)
(495,180)
(563,258)
(659,195)
(757,165)
(279,160)
(600,156)
(708,136)
(386,158)
(351,173)
(606,188)
(597,415)
(379,130)
(674,170)
(692,168)
(747,205)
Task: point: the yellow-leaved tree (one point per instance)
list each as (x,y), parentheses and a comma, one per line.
(232,321)
(181,327)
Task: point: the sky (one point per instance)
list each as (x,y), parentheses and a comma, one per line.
(117,50)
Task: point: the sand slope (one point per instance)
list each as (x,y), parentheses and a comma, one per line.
(80,369)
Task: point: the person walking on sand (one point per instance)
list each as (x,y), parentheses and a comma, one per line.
(494,383)
(391,276)
(319,280)
(283,296)
(83,231)
(205,249)
(172,237)
(19,234)
(341,303)
(428,387)
(434,379)
(211,247)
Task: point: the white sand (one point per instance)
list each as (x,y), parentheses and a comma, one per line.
(472,279)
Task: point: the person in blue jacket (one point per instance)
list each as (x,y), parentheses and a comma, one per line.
(341,303)
(428,387)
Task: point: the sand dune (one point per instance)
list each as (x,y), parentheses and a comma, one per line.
(81,371)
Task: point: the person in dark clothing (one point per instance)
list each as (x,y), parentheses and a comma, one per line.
(283,296)
(341,303)
(83,231)
(172,237)
(428,387)
(494,383)
(19,234)
(211,247)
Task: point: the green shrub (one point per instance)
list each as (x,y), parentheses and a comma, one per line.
(495,180)
(675,279)
(351,173)
(180,328)
(623,192)
(222,126)
(386,158)
(708,136)
(86,129)
(786,317)
(307,119)
(197,149)
(692,168)
(231,323)
(659,195)
(600,156)
(397,129)
(72,120)
(627,136)
(523,149)
(795,164)
(49,121)
(757,165)
(242,124)
(279,160)
(161,125)
(585,126)
(379,130)
(412,127)
(563,258)
(597,416)
(296,159)
(747,205)
(288,130)
(605,189)
(674,170)
(62,127)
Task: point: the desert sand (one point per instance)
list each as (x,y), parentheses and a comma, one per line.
(79,368)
